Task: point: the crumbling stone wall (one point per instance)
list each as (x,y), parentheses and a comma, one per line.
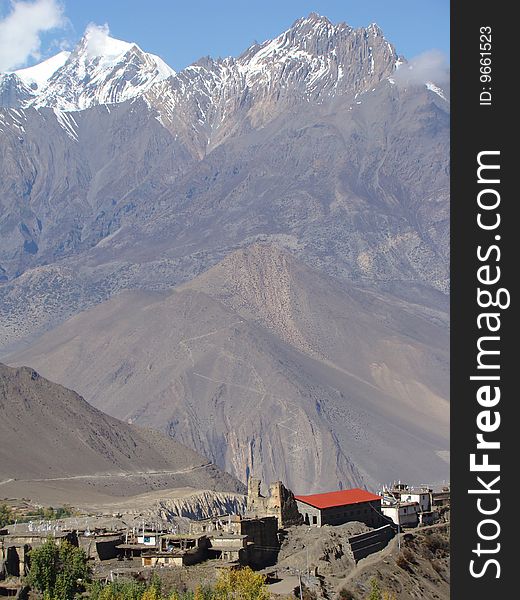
(279,503)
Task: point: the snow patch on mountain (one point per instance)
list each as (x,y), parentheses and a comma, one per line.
(436,90)
(37,76)
(67,123)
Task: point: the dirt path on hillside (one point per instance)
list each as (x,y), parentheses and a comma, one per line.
(110,475)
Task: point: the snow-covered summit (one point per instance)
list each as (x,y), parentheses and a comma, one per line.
(97,43)
(316,55)
(100,70)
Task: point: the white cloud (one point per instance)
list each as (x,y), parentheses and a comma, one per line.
(20,30)
(100,44)
(97,37)
(431,66)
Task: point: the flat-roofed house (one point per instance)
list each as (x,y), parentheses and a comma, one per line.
(230,547)
(403,514)
(343,506)
(422,496)
(177,550)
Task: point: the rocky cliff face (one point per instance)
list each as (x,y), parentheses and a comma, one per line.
(201,505)
(313,61)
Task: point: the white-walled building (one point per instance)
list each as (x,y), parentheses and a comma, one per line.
(403,514)
(422,497)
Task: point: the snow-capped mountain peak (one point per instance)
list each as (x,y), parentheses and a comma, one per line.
(20,88)
(100,70)
(312,61)
(97,43)
(316,56)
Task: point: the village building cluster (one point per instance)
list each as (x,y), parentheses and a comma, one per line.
(237,540)
(407,506)
(231,539)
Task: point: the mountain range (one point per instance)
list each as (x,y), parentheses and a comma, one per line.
(293,199)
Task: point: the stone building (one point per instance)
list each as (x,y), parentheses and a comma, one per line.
(100,546)
(177,550)
(230,547)
(279,503)
(441,499)
(261,534)
(336,508)
(262,531)
(422,496)
(408,506)
(362,545)
(15,548)
(148,538)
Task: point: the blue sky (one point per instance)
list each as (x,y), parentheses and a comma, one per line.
(183,31)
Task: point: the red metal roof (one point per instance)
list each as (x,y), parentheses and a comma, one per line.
(339,498)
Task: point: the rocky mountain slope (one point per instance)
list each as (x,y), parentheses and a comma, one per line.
(51,437)
(305,140)
(13,91)
(271,368)
(250,255)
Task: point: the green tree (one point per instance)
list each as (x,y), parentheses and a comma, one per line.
(202,592)
(44,567)
(156,584)
(6,515)
(55,570)
(117,590)
(63,512)
(151,593)
(375,590)
(244,584)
